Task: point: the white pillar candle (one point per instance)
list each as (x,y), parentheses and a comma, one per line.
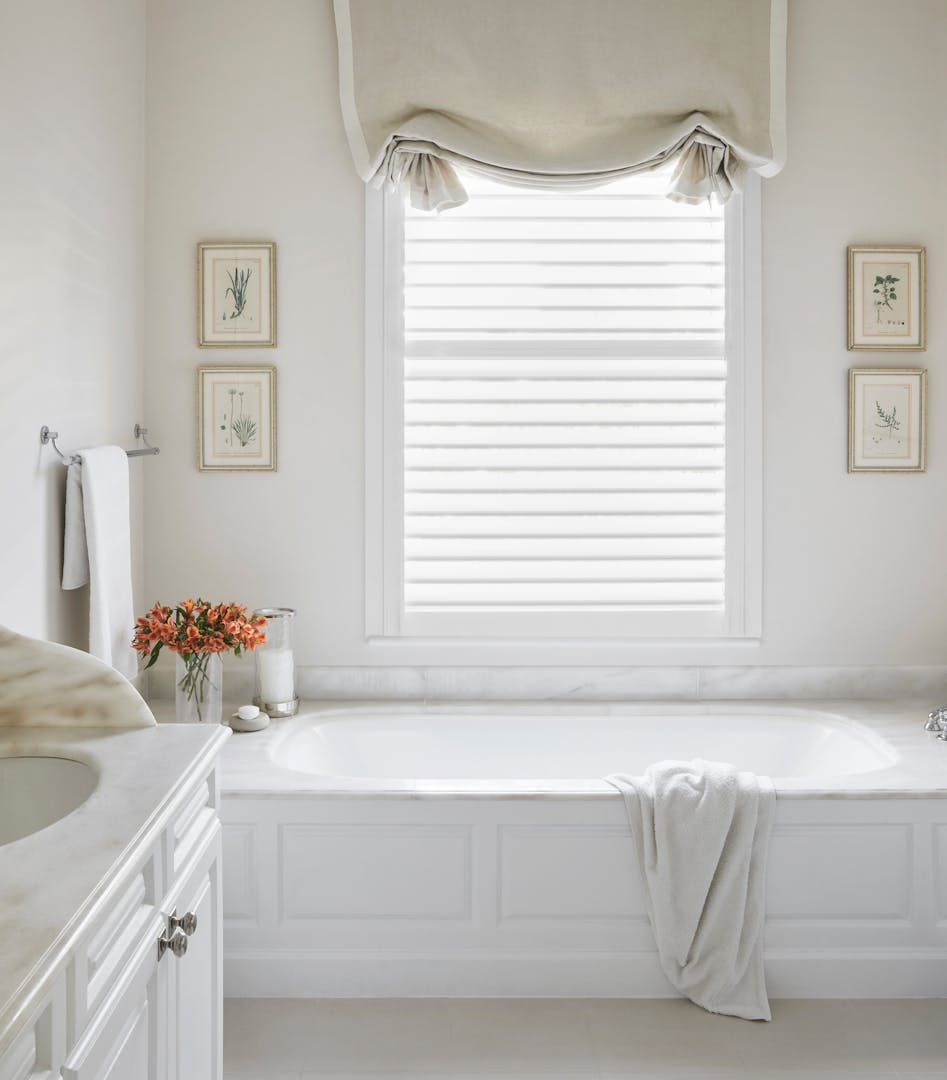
(275,668)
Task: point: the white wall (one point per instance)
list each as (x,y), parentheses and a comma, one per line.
(245,140)
(71,272)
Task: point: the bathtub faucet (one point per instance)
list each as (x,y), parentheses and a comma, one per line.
(937,721)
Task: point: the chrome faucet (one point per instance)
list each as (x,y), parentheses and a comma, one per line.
(937,721)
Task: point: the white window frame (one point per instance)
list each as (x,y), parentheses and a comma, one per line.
(385,618)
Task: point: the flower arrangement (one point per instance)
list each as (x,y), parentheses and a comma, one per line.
(196,630)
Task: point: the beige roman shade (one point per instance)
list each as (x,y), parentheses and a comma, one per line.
(562,92)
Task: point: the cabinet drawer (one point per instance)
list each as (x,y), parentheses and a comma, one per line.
(38,1052)
(21,1061)
(193,824)
(121,1040)
(117,936)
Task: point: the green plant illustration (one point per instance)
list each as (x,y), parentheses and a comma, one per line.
(243,426)
(245,429)
(239,280)
(884,291)
(889,420)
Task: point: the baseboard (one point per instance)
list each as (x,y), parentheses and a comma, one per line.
(341,973)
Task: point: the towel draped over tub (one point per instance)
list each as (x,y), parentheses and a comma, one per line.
(701,830)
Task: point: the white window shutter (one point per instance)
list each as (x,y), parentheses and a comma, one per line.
(564,394)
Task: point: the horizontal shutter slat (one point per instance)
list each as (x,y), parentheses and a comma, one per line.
(529,549)
(561,525)
(564,402)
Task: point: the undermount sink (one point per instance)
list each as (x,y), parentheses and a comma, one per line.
(38,791)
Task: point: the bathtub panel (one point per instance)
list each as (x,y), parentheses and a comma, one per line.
(507,896)
(240,873)
(562,872)
(374,872)
(939,838)
(844,872)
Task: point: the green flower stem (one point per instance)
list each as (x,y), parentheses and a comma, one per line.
(196,679)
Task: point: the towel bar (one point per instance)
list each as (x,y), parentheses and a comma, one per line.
(47,436)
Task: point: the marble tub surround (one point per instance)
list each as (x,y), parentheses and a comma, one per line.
(631,683)
(42,683)
(55,883)
(917,769)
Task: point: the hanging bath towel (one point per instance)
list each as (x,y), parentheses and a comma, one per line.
(97,552)
(701,830)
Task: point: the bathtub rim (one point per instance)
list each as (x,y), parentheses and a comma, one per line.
(919,768)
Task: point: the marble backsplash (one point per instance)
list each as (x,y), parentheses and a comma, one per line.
(587,683)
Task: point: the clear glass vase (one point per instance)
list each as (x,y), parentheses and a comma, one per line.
(198,688)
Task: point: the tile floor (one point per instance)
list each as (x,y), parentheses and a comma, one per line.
(270,1039)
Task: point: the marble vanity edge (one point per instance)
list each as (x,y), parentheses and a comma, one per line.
(43,684)
(642,683)
(21,1007)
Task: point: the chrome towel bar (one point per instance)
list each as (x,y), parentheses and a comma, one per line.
(46,436)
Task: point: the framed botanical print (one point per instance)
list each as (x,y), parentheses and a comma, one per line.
(887,298)
(236,418)
(236,294)
(887,420)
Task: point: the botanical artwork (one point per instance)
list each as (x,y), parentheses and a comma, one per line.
(236,418)
(236,294)
(887,416)
(885,308)
(886,301)
(886,412)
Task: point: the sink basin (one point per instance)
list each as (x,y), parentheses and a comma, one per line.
(38,791)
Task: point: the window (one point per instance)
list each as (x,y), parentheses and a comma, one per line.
(563,399)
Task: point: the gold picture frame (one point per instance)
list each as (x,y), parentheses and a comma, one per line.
(880,438)
(236,418)
(236,294)
(887,297)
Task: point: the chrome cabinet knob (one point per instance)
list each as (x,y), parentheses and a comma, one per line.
(188,923)
(175,942)
(935,720)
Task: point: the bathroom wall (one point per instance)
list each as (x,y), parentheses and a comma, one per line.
(72,90)
(245,140)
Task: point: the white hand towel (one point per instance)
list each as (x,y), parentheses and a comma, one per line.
(97,550)
(701,830)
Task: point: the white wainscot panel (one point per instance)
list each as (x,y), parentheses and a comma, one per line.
(566,872)
(940,872)
(374,872)
(239,873)
(833,871)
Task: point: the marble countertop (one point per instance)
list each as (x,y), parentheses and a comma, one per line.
(54,882)
(918,769)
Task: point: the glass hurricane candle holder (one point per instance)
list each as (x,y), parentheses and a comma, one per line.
(274,664)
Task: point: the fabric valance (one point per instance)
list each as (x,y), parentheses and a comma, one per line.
(562,92)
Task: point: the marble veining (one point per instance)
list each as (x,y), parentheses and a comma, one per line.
(631,683)
(43,684)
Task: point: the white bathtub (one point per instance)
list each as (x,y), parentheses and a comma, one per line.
(475,850)
(496,747)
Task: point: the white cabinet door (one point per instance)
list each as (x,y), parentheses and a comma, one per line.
(196,994)
(127,1039)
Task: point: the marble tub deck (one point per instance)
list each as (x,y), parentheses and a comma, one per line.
(918,769)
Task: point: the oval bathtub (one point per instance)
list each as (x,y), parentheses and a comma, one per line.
(784,744)
(475,850)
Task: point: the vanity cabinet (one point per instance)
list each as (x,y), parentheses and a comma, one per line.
(126,1006)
